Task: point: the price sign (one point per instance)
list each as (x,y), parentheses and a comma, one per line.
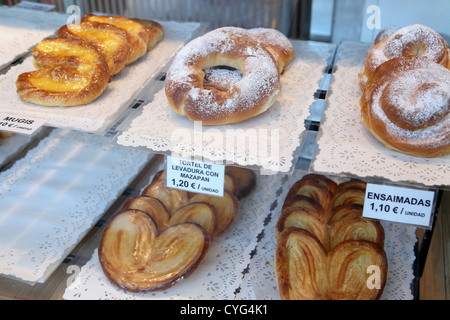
(20,125)
(195,176)
(397,204)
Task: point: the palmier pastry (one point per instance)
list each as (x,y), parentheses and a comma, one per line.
(351,265)
(201,213)
(173,199)
(406,106)
(247,98)
(226,208)
(356,229)
(136,33)
(414,40)
(152,206)
(110,40)
(306,220)
(301,266)
(136,257)
(245,179)
(71,73)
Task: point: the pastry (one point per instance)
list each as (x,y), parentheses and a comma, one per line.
(136,257)
(71,72)
(245,179)
(350,267)
(201,213)
(413,40)
(246,98)
(405,105)
(152,206)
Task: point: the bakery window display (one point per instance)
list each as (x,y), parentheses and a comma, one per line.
(325,249)
(75,67)
(406,92)
(160,237)
(242,69)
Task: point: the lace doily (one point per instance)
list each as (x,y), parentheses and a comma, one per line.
(347,147)
(260,282)
(219,275)
(267,141)
(54,195)
(102,113)
(19,33)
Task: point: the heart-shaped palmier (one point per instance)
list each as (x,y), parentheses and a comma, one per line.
(226,208)
(301,266)
(173,199)
(351,265)
(201,213)
(153,207)
(136,257)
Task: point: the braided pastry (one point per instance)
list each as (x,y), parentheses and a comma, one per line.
(414,40)
(406,104)
(306,235)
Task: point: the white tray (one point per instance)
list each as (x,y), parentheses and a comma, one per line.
(101,114)
(346,147)
(268,141)
(21,29)
(54,195)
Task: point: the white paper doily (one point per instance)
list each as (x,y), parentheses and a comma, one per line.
(268,141)
(54,195)
(21,29)
(347,147)
(102,113)
(260,283)
(219,274)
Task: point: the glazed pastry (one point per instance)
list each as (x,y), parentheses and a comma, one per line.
(136,257)
(356,229)
(306,220)
(136,34)
(111,41)
(226,208)
(173,199)
(152,206)
(414,40)
(200,213)
(306,234)
(301,266)
(406,106)
(71,73)
(247,98)
(155,32)
(350,266)
(245,178)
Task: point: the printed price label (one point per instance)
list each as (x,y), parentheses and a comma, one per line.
(396,204)
(20,125)
(195,176)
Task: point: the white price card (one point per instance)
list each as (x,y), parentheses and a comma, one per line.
(195,176)
(398,204)
(22,125)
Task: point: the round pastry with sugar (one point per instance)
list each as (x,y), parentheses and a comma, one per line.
(406,106)
(248,97)
(414,40)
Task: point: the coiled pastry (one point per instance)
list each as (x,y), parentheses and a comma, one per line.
(406,104)
(413,40)
(248,97)
(71,72)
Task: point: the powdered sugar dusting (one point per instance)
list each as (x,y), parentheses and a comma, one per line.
(260,80)
(407,38)
(421,99)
